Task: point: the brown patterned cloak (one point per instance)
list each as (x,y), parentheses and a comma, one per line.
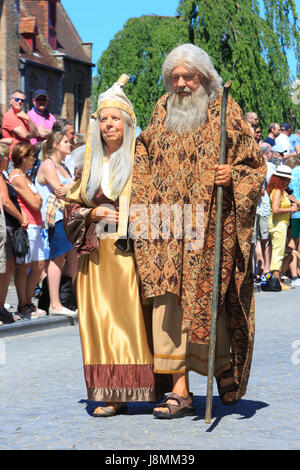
(174,169)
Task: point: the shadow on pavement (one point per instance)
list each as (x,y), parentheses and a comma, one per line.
(245,408)
(137,408)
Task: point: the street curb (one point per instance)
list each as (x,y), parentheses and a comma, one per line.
(23,327)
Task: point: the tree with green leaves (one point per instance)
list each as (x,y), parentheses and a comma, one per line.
(247,40)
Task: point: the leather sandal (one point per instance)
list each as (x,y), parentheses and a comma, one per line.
(183,407)
(36,312)
(5,316)
(110,410)
(24,312)
(223,389)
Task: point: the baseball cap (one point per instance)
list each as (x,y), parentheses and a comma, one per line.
(40,93)
(285,126)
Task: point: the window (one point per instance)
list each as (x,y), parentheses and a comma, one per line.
(52,23)
(52,13)
(31,40)
(29,31)
(78,106)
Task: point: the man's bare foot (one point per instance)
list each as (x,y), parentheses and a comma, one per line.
(180,388)
(176,406)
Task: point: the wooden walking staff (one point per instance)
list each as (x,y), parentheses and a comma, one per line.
(216,273)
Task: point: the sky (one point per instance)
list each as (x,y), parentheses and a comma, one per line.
(102,19)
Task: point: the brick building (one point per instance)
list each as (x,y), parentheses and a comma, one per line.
(40,48)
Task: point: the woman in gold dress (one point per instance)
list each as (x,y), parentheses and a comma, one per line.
(114,325)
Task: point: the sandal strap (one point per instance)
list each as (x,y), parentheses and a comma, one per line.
(173,396)
(183,407)
(167,405)
(178,398)
(25,309)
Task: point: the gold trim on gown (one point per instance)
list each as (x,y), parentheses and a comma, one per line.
(118,362)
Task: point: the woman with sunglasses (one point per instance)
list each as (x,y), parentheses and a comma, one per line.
(16,125)
(258,135)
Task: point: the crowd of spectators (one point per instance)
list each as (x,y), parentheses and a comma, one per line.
(276,236)
(36,170)
(40,159)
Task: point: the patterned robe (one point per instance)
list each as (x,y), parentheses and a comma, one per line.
(178,169)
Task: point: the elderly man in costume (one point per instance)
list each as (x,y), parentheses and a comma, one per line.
(118,362)
(176,166)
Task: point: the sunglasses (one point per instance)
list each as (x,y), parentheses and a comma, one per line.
(19,99)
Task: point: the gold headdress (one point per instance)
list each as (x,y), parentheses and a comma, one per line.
(114,97)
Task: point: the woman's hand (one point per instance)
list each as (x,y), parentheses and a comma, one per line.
(108,213)
(6,140)
(24,221)
(104,212)
(61,192)
(223,175)
(294,207)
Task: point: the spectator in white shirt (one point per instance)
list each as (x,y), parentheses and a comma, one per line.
(283,143)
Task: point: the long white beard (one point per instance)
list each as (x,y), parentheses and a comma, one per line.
(186,113)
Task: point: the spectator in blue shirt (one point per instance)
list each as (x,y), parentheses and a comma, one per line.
(274,131)
(295,141)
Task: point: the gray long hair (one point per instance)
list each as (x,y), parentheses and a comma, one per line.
(193,58)
(120,164)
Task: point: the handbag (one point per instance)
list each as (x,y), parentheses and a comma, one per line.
(66,294)
(20,242)
(271,284)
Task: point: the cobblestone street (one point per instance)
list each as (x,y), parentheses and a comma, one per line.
(44,404)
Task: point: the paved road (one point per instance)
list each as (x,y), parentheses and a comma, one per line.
(43,397)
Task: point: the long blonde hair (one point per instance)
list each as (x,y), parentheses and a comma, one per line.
(4,150)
